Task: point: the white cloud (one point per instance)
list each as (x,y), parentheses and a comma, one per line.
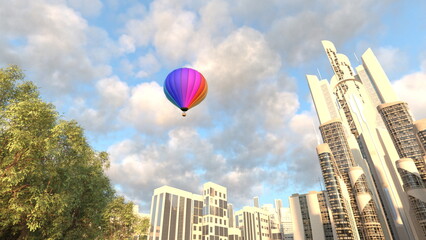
(393,60)
(139,167)
(298,33)
(148,65)
(178,34)
(52,47)
(114,92)
(99,113)
(150,112)
(411,89)
(303,165)
(90,8)
(127,44)
(186,161)
(237,67)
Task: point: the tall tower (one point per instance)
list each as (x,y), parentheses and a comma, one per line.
(399,123)
(310,217)
(420,127)
(366,205)
(333,134)
(415,188)
(337,195)
(352,97)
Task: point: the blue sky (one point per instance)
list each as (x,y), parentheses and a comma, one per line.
(103,63)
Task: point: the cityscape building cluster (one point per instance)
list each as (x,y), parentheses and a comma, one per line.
(372,161)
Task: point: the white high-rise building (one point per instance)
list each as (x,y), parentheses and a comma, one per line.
(311,218)
(348,103)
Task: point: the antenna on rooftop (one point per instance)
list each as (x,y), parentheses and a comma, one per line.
(319,74)
(356,57)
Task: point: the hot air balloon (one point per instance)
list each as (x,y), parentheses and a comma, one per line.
(185,88)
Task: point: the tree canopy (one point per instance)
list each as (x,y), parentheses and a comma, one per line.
(52,182)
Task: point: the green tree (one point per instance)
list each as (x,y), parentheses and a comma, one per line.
(141,227)
(119,219)
(52,183)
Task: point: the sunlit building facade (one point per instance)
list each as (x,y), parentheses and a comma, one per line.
(286,223)
(231,216)
(175,214)
(181,215)
(215,212)
(254,223)
(311,219)
(368,130)
(420,127)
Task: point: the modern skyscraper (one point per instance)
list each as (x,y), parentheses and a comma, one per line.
(366,206)
(351,98)
(337,195)
(415,188)
(420,127)
(399,122)
(311,217)
(333,134)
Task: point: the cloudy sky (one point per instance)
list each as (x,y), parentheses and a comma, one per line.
(103,63)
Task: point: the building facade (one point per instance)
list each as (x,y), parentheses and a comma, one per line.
(311,217)
(286,223)
(254,223)
(181,215)
(366,141)
(215,212)
(175,214)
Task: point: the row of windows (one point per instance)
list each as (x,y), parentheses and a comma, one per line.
(212,192)
(214,220)
(216,230)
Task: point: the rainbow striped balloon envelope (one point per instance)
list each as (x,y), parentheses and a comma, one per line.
(185,88)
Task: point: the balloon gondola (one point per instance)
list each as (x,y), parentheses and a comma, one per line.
(185,88)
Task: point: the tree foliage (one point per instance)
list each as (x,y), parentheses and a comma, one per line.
(52,183)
